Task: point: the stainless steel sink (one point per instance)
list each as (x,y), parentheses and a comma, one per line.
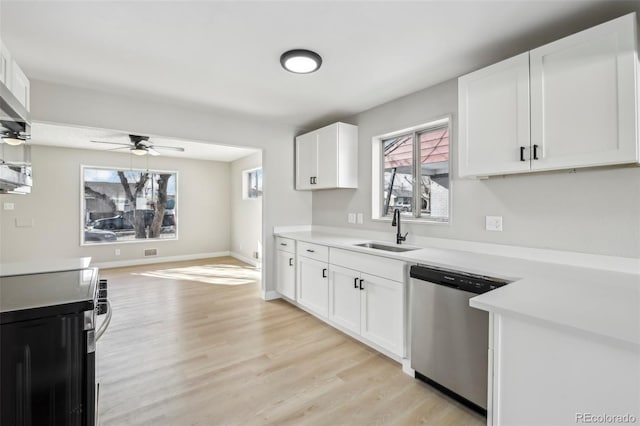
(377,246)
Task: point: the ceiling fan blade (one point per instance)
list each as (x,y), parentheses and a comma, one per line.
(152,151)
(117,149)
(113,143)
(172,148)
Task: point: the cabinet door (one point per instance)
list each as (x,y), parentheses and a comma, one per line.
(306,160)
(286,274)
(327,169)
(494,119)
(20,85)
(583,94)
(382,316)
(313,286)
(344,297)
(5,61)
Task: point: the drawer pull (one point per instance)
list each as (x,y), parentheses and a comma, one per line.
(311,251)
(283,244)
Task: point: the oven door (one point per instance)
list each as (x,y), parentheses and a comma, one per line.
(48,372)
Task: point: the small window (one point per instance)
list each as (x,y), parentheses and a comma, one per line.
(411,173)
(252,183)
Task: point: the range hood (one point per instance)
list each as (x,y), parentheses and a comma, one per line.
(15,161)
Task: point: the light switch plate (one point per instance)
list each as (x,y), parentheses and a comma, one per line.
(360,218)
(493,223)
(351,218)
(8,206)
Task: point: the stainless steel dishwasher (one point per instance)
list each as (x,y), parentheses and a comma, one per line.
(449,339)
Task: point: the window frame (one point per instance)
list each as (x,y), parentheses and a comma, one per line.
(134,241)
(245,183)
(377,170)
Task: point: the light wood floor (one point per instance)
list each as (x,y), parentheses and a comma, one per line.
(192,343)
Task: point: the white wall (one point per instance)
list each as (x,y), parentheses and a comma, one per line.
(283,205)
(54,208)
(246,214)
(589,211)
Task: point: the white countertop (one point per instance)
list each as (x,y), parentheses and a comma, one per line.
(43,266)
(602,302)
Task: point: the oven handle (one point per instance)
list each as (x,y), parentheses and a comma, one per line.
(105,323)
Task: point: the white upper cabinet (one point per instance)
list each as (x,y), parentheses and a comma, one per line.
(20,86)
(5,63)
(583,98)
(11,75)
(580,93)
(494,119)
(327,158)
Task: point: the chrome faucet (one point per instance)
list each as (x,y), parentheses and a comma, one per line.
(396,222)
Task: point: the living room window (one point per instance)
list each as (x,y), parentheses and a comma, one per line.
(128,205)
(411,173)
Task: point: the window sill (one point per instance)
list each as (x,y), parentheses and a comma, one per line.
(110,243)
(413,221)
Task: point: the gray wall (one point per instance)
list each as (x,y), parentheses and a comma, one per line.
(282,205)
(54,208)
(246,214)
(589,211)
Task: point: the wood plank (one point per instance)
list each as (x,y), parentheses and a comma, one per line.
(185,349)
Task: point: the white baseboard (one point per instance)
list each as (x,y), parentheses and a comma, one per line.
(406,367)
(245,259)
(270,295)
(163,259)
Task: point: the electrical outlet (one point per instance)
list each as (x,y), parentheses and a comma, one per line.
(351,218)
(8,206)
(493,223)
(117,252)
(360,218)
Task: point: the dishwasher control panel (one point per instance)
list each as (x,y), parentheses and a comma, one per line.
(457,279)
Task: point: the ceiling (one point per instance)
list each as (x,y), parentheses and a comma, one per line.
(224,55)
(78,137)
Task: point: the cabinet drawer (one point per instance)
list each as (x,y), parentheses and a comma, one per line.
(286,244)
(374,265)
(313,251)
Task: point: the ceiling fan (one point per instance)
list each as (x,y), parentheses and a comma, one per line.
(140,145)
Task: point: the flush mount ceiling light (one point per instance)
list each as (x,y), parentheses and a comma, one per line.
(300,61)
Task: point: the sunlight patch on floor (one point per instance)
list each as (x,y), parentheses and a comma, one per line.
(219,274)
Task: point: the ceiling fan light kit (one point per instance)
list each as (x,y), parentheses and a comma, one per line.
(138,151)
(14,139)
(300,61)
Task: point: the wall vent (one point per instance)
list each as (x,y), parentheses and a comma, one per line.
(150,252)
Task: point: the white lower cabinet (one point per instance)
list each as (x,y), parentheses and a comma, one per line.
(345,297)
(286,274)
(382,313)
(313,286)
(370,306)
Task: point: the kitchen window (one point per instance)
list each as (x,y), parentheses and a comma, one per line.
(252,183)
(128,205)
(411,173)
